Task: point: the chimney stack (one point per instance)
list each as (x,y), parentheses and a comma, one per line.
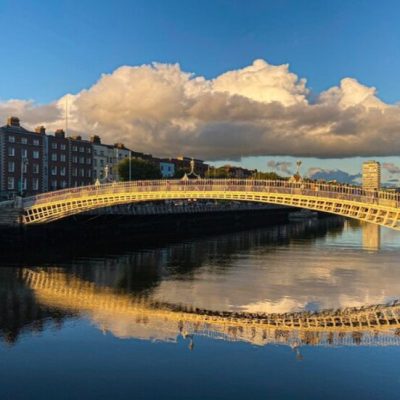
(59,133)
(13,121)
(40,129)
(95,139)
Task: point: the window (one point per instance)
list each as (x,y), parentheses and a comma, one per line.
(74,148)
(54,170)
(62,157)
(95,162)
(82,172)
(24,153)
(81,149)
(102,153)
(36,142)
(54,157)
(54,146)
(25,167)
(64,184)
(74,159)
(54,184)
(11,166)
(35,154)
(10,183)
(24,140)
(11,151)
(74,171)
(24,184)
(88,161)
(62,171)
(62,146)
(89,150)
(11,139)
(35,168)
(35,184)
(82,160)
(102,163)
(89,173)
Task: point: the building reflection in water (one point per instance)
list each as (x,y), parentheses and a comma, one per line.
(371,236)
(144,295)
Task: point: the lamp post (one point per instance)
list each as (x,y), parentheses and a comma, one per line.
(130,165)
(24,163)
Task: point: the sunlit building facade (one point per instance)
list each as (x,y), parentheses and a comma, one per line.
(371,175)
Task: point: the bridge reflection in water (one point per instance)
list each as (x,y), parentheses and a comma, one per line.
(140,317)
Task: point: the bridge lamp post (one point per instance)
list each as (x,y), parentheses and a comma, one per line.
(130,165)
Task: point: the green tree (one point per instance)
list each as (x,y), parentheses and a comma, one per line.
(179,172)
(140,170)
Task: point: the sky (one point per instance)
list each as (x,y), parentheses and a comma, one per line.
(256,83)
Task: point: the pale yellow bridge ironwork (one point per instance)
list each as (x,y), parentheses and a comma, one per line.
(370,325)
(378,207)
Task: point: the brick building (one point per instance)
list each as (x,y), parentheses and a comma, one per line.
(41,162)
(22,168)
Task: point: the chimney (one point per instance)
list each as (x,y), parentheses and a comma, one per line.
(76,137)
(40,129)
(119,145)
(59,133)
(13,121)
(95,139)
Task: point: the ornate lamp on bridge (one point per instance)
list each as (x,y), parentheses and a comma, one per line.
(191,174)
(296,177)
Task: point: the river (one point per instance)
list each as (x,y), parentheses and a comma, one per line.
(305,309)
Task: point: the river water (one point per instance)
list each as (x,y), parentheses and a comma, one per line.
(301,310)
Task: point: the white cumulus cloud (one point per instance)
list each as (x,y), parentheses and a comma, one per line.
(259,110)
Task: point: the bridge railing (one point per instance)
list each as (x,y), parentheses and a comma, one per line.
(333,191)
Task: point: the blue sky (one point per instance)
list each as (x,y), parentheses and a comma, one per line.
(53,47)
(50,48)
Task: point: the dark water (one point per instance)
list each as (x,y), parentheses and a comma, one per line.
(300,311)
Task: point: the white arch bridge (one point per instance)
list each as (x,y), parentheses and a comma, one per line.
(378,207)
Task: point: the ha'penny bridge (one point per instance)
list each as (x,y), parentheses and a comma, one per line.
(110,309)
(378,207)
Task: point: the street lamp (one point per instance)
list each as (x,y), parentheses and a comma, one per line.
(130,165)
(24,163)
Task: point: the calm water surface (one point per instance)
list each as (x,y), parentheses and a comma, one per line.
(306,310)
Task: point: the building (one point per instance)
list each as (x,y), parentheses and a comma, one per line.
(41,162)
(371,175)
(184,164)
(107,157)
(22,166)
(231,171)
(167,168)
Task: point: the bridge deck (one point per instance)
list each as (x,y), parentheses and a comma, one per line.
(379,207)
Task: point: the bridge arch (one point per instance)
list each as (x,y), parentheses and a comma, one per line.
(379,207)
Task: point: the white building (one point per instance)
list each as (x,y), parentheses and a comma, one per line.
(106,158)
(371,175)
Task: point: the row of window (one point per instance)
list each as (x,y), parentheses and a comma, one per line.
(54,157)
(81,171)
(24,153)
(24,140)
(12,183)
(55,146)
(81,160)
(35,167)
(82,149)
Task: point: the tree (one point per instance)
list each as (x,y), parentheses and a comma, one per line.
(140,170)
(179,173)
